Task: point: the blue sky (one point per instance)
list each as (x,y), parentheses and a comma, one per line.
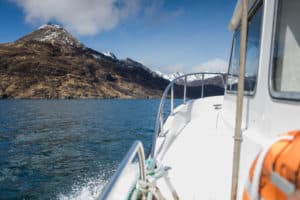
(170,36)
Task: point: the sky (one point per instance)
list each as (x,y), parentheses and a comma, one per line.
(165,35)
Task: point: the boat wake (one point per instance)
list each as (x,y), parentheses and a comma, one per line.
(89,190)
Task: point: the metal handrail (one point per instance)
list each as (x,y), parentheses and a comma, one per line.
(136,149)
(159,118)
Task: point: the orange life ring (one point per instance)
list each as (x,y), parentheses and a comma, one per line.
(275,173)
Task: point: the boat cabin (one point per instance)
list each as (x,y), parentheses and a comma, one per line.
(193,147)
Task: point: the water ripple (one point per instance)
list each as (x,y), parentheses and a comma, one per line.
(67,149)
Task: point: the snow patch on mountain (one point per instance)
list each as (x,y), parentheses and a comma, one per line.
(175,75)
(53,33)
(190,78)
(110,54)
(49,26)
(96,56)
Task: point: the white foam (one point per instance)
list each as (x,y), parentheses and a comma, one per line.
(89,190)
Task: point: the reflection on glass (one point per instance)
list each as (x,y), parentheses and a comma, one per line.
(286,64)
(252,55)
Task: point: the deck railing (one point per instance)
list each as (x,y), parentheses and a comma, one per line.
(135,150)
(170,90)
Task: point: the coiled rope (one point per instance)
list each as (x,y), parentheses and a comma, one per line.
(148,190)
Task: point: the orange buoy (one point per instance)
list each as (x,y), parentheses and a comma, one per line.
(275,173)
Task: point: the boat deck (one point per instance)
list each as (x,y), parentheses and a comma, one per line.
(199,155)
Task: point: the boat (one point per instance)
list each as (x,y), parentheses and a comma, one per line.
(205,147)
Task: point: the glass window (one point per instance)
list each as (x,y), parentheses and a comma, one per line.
(252,55)
(234,63)
(286,57)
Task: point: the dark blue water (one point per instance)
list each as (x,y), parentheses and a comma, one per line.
(67,149)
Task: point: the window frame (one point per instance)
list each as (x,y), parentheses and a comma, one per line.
(255,7)
(287,96)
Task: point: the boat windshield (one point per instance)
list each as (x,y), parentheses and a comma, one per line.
(286,57)
(252,54)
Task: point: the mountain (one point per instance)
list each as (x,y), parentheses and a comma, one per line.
(213,85)
(175,75)
(134,64)
(51,63)
(110,54)
(52,34)
(194,80)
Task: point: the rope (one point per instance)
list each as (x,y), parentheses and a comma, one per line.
(147,190)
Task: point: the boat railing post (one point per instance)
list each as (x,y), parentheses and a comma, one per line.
(172,98)
(161,121)
(136,149)
(202,86)
(184,90)
(223,81)
(142,167)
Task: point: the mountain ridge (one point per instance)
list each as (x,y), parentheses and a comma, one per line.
(50,63)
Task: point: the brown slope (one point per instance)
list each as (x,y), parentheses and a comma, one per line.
(50,63)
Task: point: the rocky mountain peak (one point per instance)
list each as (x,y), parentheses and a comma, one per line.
(50,63)
(110,54)
(53,34)
(49,26)
(129,61)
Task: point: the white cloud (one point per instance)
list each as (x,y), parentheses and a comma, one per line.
(86,17)
(156,14)
(214,65)
(172,69)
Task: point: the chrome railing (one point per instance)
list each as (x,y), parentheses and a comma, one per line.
(170,89)
(136,149)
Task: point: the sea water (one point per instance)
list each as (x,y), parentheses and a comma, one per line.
(68,149)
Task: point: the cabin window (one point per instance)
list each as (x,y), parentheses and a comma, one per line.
(285,76)
(252,55)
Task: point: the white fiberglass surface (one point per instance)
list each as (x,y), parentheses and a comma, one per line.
(200,156)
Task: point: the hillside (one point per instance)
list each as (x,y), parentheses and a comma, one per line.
(51,63)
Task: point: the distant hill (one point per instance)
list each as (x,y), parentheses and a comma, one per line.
(51,63)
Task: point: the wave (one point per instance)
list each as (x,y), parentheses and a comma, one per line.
(89,190)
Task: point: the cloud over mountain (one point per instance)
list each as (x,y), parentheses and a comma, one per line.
(214,65)
(80,16)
